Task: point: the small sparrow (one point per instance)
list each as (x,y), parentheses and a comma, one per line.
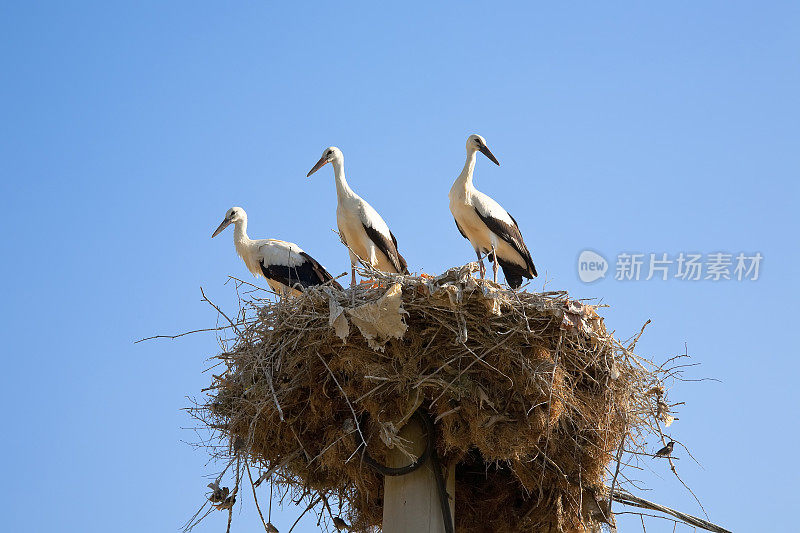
(219,494)
(227,503)
(340,524)
(666,451)
(271,528)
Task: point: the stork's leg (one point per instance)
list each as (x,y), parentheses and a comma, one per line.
(495,265)
(481,268)
(353,284)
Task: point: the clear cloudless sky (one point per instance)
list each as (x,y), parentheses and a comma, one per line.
(128,128)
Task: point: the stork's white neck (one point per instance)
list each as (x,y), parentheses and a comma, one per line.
(343,190)
(240,238)
(464,180)
(245,247)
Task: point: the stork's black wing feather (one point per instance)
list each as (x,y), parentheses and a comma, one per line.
(306,274)
(403,264)
(510,233)
(388,247)
(322,274)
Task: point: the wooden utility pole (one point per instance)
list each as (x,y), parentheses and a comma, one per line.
(411,502)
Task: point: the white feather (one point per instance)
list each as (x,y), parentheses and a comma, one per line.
(352,214)
(465,200)
(266,251)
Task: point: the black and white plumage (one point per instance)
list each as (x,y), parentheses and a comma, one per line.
(666,451)
(486,225)
(287,268)
(362,229)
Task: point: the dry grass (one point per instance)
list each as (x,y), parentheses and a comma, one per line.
(532,398)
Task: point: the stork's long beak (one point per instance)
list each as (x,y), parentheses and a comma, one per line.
(321,163)
(488,153)
(224,224)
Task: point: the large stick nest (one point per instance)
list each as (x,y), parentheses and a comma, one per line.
(531,395)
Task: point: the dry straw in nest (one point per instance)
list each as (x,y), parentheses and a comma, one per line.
(531,395)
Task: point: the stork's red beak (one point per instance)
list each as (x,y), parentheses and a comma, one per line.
(488,153)
(321,163)
(224,224)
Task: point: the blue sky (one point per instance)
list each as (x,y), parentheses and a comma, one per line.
(129,128)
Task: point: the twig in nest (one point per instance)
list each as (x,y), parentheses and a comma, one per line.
(220,311)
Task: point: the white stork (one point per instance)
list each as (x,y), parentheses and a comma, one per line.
(486,225)
(361,227)
(286,266)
